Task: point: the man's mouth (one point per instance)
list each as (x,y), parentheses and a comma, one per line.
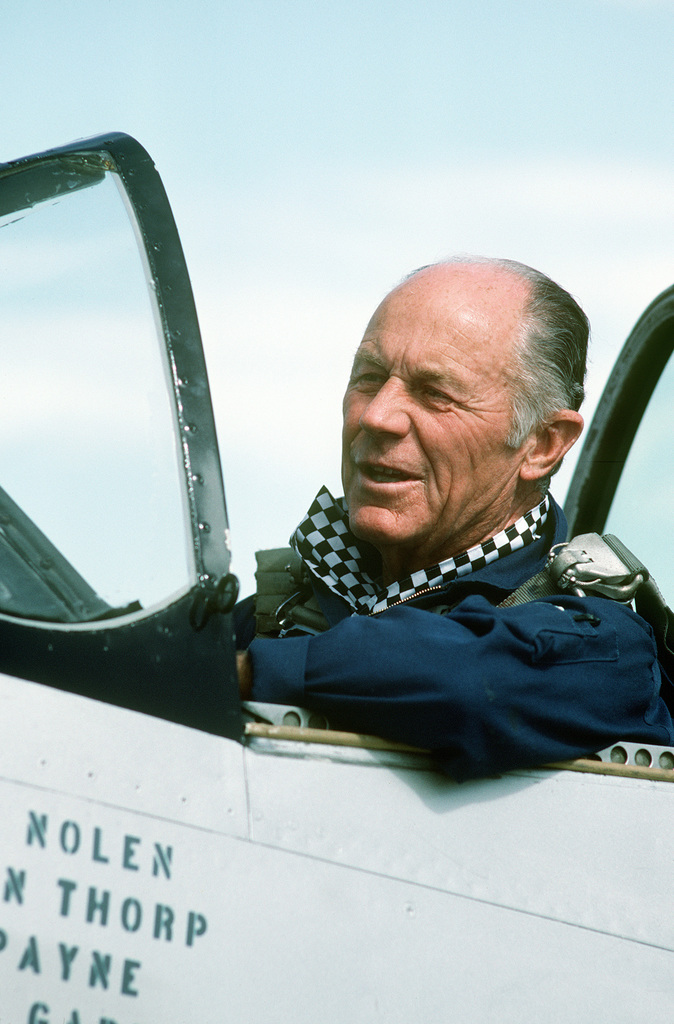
(383,474)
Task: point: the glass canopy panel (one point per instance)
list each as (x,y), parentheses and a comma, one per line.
(642,509)
(90,451)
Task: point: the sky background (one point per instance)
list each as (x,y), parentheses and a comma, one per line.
(314,153)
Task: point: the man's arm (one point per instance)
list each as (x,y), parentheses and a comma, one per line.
(489,689)
(244,667)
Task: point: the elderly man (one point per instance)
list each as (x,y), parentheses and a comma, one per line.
(461,403)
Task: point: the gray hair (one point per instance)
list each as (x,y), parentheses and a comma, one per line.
(548,371)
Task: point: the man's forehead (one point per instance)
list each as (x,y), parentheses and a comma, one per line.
(427,359)
(462,303)
(457,290)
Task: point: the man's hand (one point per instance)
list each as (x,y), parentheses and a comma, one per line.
(244,667)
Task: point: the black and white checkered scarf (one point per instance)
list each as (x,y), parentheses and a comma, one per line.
(334,555)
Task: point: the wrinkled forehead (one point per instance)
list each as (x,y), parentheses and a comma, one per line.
(472,307)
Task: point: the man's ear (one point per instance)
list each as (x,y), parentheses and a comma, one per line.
(549,444)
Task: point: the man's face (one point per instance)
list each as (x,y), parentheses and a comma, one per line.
(425,467)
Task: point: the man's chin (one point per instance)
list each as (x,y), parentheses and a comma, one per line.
(378,526)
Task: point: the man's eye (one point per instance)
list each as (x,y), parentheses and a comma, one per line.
(434,395)
(369,378)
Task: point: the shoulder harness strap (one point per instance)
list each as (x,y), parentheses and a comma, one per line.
(284,598)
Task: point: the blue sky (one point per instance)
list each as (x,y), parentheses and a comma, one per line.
(314,153)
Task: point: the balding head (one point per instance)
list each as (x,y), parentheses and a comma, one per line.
(483,295)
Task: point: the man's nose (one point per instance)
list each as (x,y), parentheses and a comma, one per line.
(387,412)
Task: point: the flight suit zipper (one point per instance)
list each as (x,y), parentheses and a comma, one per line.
(410,597)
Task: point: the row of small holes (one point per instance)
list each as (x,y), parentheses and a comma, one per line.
(315,721)
(643,758)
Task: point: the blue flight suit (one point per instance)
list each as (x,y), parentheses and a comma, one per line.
(486,689)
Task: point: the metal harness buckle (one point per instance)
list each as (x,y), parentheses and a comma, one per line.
(600,565)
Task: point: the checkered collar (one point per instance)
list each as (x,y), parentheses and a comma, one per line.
(349,567)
